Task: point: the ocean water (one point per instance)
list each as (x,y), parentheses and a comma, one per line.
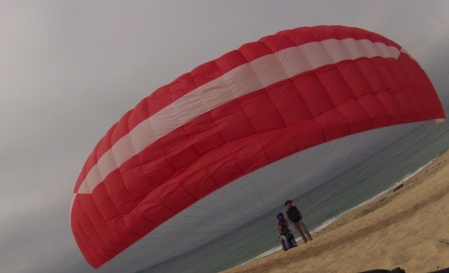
(368,178)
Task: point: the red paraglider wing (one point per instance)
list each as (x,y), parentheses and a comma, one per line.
(228,117)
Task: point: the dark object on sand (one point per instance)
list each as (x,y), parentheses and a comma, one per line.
(396,270)
(446,270)
(398,187)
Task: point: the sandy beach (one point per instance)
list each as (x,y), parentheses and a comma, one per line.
(401,228)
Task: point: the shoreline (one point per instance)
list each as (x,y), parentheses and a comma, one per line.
(358,224)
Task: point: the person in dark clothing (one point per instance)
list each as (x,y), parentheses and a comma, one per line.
(295,216)
(284,232)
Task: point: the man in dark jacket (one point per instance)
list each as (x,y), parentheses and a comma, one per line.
(295,216)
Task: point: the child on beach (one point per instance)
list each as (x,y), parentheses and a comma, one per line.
(284,232)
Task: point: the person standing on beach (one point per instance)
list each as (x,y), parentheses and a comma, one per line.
(284,233)
(295,216)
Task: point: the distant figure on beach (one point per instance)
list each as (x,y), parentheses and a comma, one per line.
(284,233)
(295,216)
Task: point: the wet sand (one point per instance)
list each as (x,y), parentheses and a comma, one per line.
(402,228)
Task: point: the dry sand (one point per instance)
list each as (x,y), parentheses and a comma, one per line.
(398,229)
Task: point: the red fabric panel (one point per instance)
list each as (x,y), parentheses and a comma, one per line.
(136,224)
(230,61)
(307,134)
(98,239)
(276,43)
(181,86)
(205,73)
(221,166)
(174,196)
(334,124)
(354,79)
(195,189)
(378,115)
(249,154)
(356,115)
(283,147)
(392,106)
(288,102)
(418,81)
(370,74)
(335,85)
(132,171)
(156,172)
(203,137)
(177,149)
(85,243)
(157,101)
(229,117)
(121,128)
(300,38)
(153,209)
(255,50)
(260,121)
(117,192)
(140,112)
(313,93)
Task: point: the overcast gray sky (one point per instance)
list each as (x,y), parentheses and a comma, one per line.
(70,69)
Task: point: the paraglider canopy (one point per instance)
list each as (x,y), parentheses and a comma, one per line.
(236,114)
